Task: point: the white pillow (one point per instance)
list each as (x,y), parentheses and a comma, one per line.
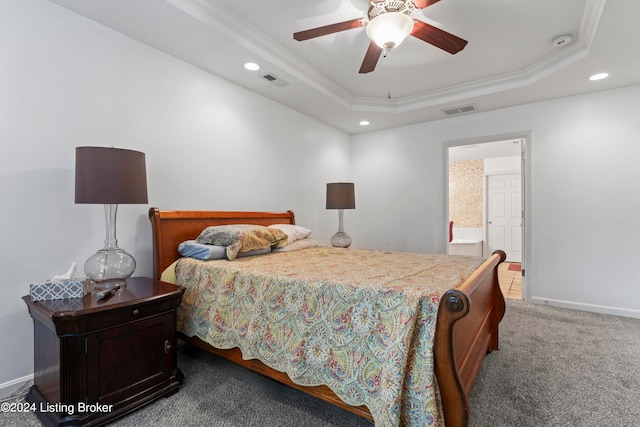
(298,244)
(293,232)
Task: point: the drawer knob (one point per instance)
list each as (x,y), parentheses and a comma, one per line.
(136,312)
(167,346)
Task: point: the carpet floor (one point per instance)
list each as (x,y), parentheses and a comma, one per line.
(556,367)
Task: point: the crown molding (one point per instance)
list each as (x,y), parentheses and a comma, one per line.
(213,14)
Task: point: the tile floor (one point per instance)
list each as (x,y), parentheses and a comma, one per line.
(510,281)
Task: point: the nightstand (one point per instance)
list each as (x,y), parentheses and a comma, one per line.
(97,360)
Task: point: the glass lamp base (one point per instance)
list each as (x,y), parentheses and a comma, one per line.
(110,266)
(341,240)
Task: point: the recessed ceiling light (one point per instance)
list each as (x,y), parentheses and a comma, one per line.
(599,76)
(251,66)
(364,123)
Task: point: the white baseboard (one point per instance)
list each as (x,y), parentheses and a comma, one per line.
(616,311)
(10,387)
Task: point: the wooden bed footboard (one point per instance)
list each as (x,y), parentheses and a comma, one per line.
(466,328)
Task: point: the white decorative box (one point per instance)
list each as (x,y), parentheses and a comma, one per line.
(60,289)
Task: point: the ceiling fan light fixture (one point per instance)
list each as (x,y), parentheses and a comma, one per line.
(389,29)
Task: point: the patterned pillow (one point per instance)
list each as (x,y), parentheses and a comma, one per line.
(242,238)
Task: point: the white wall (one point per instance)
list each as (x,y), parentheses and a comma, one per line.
(399,192)
(66,81)
(583,197)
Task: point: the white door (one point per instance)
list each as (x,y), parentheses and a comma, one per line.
(504,215)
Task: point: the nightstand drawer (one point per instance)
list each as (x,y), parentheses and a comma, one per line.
(119,316)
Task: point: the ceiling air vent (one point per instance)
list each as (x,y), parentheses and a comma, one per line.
(275,80)
(460,110)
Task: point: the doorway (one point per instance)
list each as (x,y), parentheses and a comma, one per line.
(485,202)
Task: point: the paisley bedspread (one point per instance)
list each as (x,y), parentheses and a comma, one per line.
(361,322)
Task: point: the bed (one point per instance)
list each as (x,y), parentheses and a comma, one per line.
(466,328)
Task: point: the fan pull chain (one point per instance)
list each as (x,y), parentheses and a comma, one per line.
(387,55)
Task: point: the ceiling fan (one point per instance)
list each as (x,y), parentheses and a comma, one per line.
(388,23)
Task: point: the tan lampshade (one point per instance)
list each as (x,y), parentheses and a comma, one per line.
(341,195)
(107,175)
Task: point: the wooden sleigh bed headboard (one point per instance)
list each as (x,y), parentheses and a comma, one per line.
(466,327)
(170,228)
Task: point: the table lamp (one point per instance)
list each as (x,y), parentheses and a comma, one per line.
(110,176)
(341,195)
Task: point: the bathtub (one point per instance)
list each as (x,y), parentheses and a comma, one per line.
(470,247)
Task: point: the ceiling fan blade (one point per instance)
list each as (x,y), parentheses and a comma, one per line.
(421,4)
(370,58)
(329,29)
(437,37)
